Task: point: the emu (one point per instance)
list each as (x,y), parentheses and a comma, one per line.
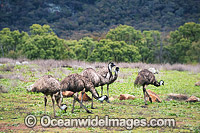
(97,79)
(144,78)
(49,86)
(77,83)
(107,74)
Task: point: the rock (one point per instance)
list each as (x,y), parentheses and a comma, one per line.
(193,99)
(197,83)
(25,63)
(154,96)
(177,97)
(67,93)
(126,97)
(85,97)
(2,89)
(18,63)
(111,98)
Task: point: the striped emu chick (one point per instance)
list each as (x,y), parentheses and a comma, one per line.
(77,83)
(48,86)
(144,78)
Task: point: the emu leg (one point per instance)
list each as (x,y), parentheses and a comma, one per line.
(61,98)
(82,93)
(144,90)
(73,104)
(76,98)
(108,94)
(149,97)
(101,90)
(92,107)
(53,101)
(45,102)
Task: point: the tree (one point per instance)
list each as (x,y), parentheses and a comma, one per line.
(125,33)
(11,42)
(146,42)
(184,43)
(118,51)
(43,44)
(37,29)
(149,48)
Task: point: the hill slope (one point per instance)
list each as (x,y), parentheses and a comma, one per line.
(76,18)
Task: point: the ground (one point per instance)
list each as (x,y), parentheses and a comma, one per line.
(16,103)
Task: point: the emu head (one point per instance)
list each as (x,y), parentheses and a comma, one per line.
(156,83)
(161,82)
(59,98)
(116,69)
(102,98)
(63,107)
(30,88)
(110,65)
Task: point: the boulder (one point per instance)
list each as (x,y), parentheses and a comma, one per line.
(197,83)
(1,76)
(126,97)
(179,97)
(154,96)
(25,63)
(111,98)
(193,99)
(85,97)
(67,93)
(18,63)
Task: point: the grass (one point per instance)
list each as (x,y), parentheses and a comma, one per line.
(16,104)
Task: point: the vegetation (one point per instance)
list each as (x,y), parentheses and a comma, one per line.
(121,44)
(77,18)
(17,103)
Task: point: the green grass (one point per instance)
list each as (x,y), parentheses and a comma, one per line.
(17,103)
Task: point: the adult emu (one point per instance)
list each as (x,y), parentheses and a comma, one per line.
(77,83)
(144,78)
(49,86)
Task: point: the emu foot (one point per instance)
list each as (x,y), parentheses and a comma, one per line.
(108,101)
(93,107)
(90,112)
(72,111)
(144,106)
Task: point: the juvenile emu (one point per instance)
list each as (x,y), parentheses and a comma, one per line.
(48,86)
(144,78)
(77,83)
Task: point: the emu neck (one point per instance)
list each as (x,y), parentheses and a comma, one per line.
(115,76)
(156,83)
(109,71)
(94,93)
